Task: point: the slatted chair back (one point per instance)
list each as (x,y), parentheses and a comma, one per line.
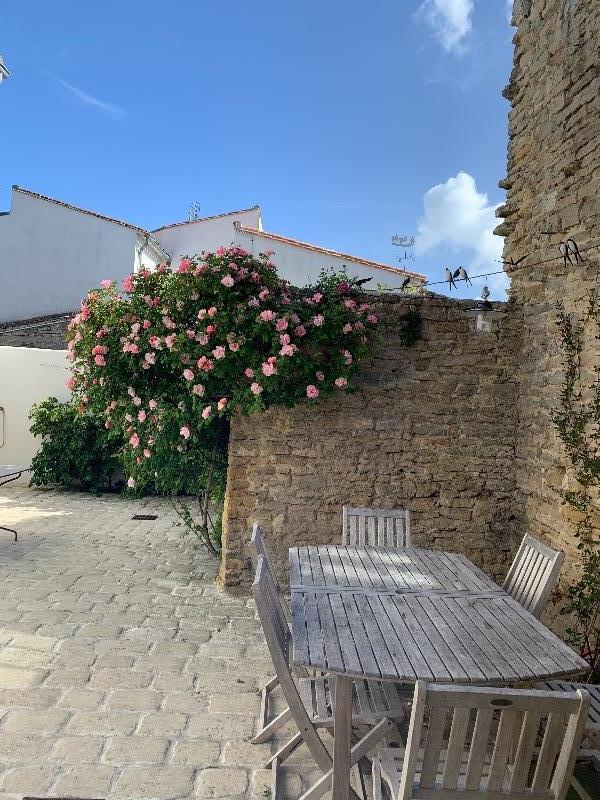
(375,527)
(259,549)
(501,744)
(278,636)
(533,574)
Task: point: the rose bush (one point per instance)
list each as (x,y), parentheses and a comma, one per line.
(169,358)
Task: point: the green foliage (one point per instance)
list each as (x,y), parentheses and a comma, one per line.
(75,447)
(577,422)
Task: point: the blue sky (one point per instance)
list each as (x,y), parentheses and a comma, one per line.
(346,121)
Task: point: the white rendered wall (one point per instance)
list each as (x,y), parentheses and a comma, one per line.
(191,238)
(300,265)
(50,256)
(27,375)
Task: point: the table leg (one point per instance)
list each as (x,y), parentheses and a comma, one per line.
(11,530)
(342,738)
(8,480)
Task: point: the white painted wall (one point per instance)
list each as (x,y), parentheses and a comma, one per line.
(50,256)
(191,238)
(300,265)
(27,375)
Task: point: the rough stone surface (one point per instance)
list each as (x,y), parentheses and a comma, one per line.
(432,428)
(97,709)
(552,183)
(45,332)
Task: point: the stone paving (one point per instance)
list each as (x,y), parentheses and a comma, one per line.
(125,672)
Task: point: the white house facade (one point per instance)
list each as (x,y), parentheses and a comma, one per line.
(52,253)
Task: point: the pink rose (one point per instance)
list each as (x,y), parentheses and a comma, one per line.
(212,312)
(134,440)
(188,374)
(147,453)
(150,358)
(268,369)
(210,329)
(343,287)
(347,328)
(137,401)
(288,350)
(205,363)
(347,356)
(206,412)
(201,338)
(184,265)
(219,352)
(70,384)
(263,294)
(153,404)
(358,326)
(267,315)
(317,297)
(146,324)
(350,303)
(185,432)
(106,284)
(190,333)
(373,318)
(130,483)
(142,415)
(202,313)
(222,403)
(100,360)
(227,281)
(253,302)
(341,382)
(198,389)
(128,283)
(249,372)
(281,324)
(170,340)
(300,330)
(318,320)
(312,391)
(154,342)
(320,376)
(234,346)
(256,388)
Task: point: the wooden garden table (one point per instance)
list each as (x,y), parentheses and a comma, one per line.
(404,615)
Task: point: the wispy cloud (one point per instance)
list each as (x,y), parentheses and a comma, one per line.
(459,218)
(108,109)
(450,21)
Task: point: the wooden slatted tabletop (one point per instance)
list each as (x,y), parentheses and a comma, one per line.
(381,569)
(404,615)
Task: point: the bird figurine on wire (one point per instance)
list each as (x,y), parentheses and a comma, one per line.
(360,281)
(574,250)
(404,284)
(462,275)
(450,279)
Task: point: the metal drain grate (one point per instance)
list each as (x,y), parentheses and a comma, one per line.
(135,516)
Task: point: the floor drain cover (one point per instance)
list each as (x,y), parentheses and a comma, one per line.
(135,516)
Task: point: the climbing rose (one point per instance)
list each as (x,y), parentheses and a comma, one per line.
(269,369)
(153,404)
(318,320)
(188,374)
(206,412)
(185,432)
(222,403)
(184,265)
(267,315)
(198,389)
(256,388)
(249,372)
(131,482)
(227,281)
(142,415)
(219,352)
(134,440)
(341,382)
(106,284)
(312,391)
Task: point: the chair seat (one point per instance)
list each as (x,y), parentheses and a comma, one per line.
(372,700)
(592,724)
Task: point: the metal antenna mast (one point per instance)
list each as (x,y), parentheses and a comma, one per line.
(406,242)
(193,211)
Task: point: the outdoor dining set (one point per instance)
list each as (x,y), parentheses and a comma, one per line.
(435,682)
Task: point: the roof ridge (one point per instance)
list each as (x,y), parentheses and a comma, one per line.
(205,219)
(318,248)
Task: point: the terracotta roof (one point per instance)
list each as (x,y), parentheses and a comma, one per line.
(205,219)
(92,214)
(315,248)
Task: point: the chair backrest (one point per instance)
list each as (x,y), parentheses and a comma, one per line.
(506,744)
(533,574)
(278,636)
(376,527)
(259,549)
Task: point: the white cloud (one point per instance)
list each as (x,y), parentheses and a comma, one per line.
(108,109)
(509,10)
(450,21)
(457,216)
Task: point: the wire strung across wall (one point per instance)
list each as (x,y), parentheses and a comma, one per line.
(569,251)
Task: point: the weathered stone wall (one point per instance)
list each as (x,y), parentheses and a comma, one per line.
(45,332)
(432,429)
(553,184)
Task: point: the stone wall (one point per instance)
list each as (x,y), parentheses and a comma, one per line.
(45,332)
(432,429)
(553,184)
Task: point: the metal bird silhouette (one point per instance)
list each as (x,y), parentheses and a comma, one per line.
(574,250)
(361,281)
(450,279)
(404,284)
(462,274)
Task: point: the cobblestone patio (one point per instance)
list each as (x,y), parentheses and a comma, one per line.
(125,672)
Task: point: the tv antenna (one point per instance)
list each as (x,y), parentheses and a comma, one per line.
(193,211)
(407,243)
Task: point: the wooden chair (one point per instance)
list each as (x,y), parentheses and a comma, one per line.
(533,575)
(375,527)
(311,700)
(467,742)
